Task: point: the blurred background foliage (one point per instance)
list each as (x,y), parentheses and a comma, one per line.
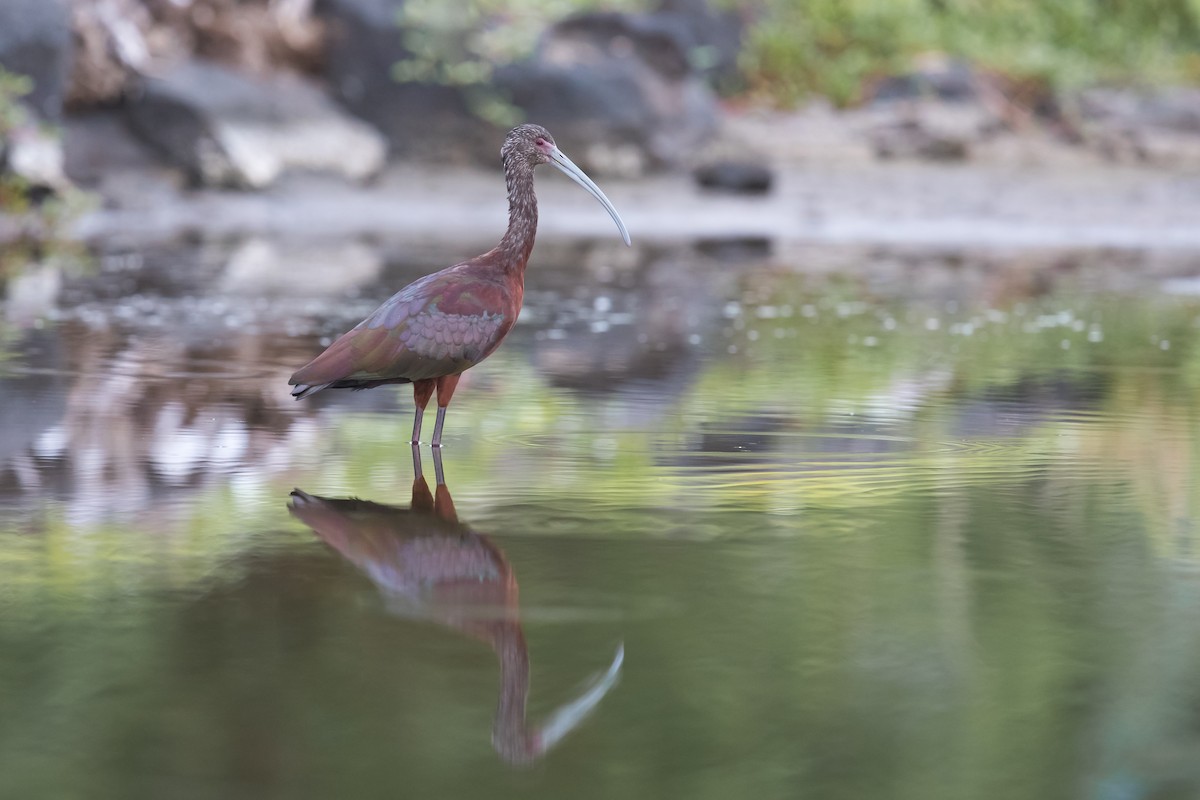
(834,47)
(796,49)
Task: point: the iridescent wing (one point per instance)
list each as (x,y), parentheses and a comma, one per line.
(438,325)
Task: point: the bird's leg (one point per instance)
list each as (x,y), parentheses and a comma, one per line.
(445,390)
(422,391)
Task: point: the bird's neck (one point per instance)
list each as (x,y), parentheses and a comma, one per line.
(517,244)
(510,735)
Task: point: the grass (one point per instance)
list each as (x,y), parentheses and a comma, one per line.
(800,48)
(796,49)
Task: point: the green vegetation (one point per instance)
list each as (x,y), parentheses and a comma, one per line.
(458,44)
(957,614)
(835,47)
(13,189)
(18,196)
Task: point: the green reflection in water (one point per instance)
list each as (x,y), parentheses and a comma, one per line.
(941,564)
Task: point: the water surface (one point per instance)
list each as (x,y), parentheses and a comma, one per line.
(716,522)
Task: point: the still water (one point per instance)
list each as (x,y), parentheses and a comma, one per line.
(715,522)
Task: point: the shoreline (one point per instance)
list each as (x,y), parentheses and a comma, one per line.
(928,205)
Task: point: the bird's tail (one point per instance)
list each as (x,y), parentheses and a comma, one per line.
(304,389)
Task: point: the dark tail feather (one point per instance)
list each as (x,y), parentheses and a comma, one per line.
(304,390)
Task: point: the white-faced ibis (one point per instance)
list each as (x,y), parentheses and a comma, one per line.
(434,567)
(437,327)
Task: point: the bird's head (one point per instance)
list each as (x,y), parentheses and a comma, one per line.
(530,145)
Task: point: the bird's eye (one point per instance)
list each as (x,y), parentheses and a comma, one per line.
(541,142)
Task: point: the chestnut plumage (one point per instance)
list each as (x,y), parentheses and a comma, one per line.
(434,329)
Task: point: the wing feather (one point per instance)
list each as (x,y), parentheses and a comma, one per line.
(439,325)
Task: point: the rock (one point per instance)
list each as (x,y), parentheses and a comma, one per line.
(736,249)
(944,108)
(1176,109)
(617,89)
(229,129)
(596,115)
(711,39)
(279,267)
(935,76)
(1160,126)
(35,41)
(35,154)
(922,138)
(735,177)
(420,120)
(100,148)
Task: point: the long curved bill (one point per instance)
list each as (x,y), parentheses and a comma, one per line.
(567,718)
(576,174)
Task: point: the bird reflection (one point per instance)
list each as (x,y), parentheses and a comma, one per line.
(432,566)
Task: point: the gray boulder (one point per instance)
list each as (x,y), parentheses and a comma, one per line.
(229,129)
(711,38)
(620,92)
(35,41)
(741,176)
(616,88)
(1159,126)
(420,120)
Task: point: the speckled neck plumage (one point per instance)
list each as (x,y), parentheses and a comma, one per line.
(509,734)
(515,247)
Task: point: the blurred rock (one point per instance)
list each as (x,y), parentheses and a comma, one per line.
(1176,109)
(226,128)
(31,294)
(935,112)
(618,89)
(35,154)
(118,40)
(421,120)
(101,149)
(929,131)
(711,38)
(112,45)
(263,266)
(35,40)
(735,250)
(946,109)
(947,79)
(735,177)
(1160,126)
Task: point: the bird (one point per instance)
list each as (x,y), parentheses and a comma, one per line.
(433,567)
(434,329)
